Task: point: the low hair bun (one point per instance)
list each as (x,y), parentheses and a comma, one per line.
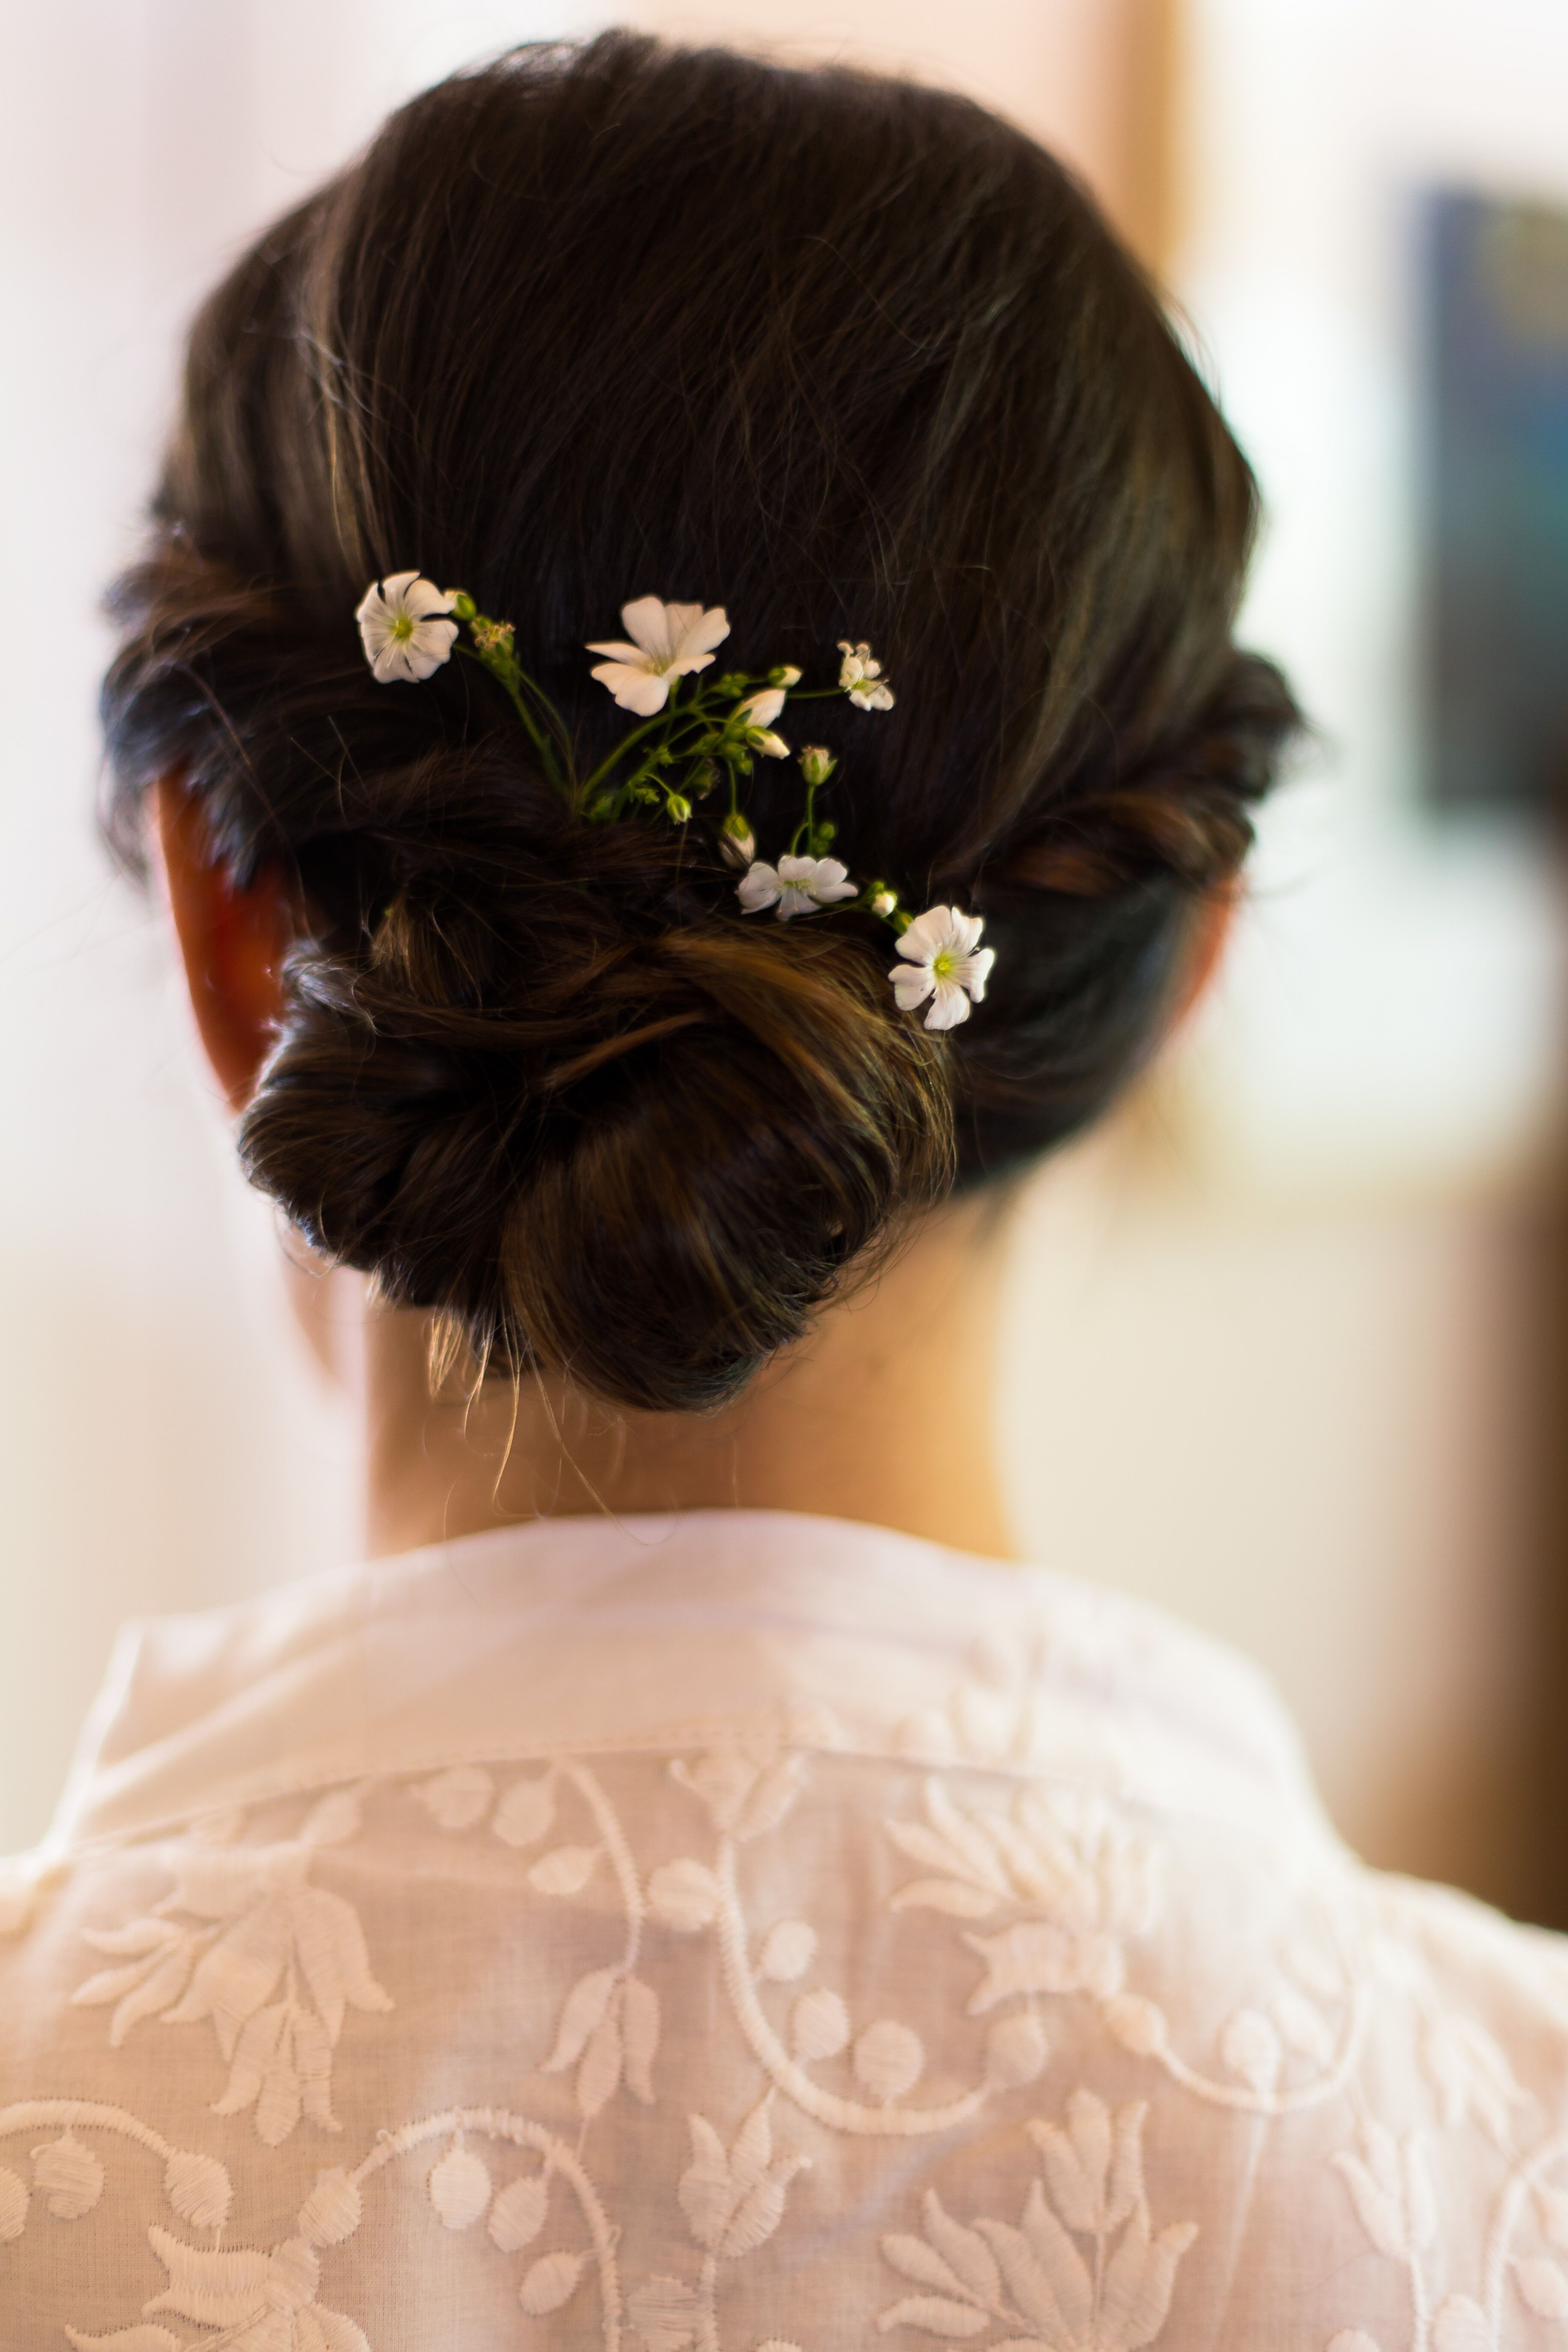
(555,1089)
(545,1079)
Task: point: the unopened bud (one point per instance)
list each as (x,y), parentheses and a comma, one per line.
(680,807)
(787,675)
(463,606)
(737,840)
(883,900)
(816,764)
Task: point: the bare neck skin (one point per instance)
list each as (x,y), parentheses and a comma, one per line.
(885,1414)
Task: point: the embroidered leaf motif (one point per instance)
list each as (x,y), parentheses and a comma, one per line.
(126,2339)
(1118,2303)
(1016,2049)
(13,2205)
(666,2313)
(519,2211)
(819,2024)
(339,2334)
(565,1871)
(526,1811)
(1458,2326)
(1138,2025)
(1094,2165)
(965,2250)
(599,2075)
(1302,2027)
(1469,2074)
(281,2067)
(220,2289)
(1391,2191)
(585,2006)
(332,2212)
(150,1984)
(1035,1956)
(936,2316)
(956,2261)
(266,2301)
(69,2176)
(888,2059)
(459,2187)
(1138,2283)
(788,1949)
(142,1935)
(1067,1855)
(640,2028)
(734,2202)
(748,1787)
(199,2190)
(550,2282)
(948,1895)
(457,1798)
(1250,2046)
(1543,2286)
(684,1895)
(1046,2275)
(266,1923)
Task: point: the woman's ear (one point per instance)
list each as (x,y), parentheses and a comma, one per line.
(1205,952)
(233,941)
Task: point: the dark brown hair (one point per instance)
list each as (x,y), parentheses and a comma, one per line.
(854,359)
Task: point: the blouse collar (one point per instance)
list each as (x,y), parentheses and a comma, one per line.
(585,1635)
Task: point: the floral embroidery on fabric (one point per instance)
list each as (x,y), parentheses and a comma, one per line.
(1026,1917)
(1033,2279)
(253,1924)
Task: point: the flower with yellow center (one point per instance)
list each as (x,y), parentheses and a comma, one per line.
(943,962)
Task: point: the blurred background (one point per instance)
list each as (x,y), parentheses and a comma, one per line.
(1291,1343)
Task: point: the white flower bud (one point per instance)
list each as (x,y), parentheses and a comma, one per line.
(816,764)
(737,840)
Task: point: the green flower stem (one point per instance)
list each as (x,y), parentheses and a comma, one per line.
(510,685)
(695,716)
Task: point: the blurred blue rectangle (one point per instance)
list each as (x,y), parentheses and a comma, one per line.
(1496,502)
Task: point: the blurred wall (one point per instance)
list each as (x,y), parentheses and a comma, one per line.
(1265,1358)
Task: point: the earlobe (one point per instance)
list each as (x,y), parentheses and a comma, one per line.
(232,941)
(1205,950)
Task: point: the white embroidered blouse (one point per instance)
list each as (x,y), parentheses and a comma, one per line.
(754,1932)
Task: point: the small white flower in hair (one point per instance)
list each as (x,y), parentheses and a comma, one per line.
(668,641)
(404,627)
(860,674)
(945,962)
(755,717)
(797,886)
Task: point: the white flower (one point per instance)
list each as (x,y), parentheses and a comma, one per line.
(403,627)
(668,640)
(860,674)
(755,717)
(797,886)
(946,962)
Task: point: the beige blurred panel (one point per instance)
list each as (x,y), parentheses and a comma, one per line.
(1304,1426)
(1092,78)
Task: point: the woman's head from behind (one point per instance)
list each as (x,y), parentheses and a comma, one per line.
(854,359)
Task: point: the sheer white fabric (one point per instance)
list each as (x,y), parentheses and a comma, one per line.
(754,1932)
